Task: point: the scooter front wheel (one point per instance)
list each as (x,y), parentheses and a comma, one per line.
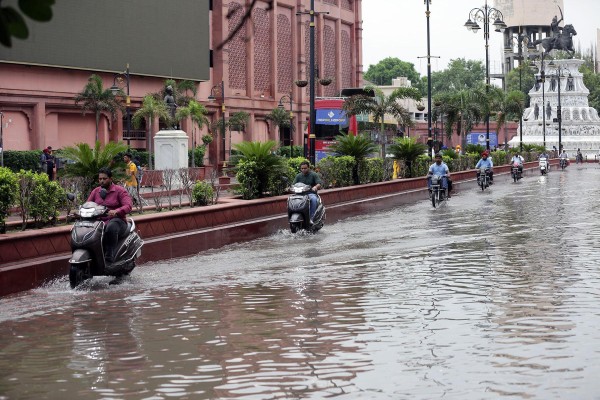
(77,275)
(295,227)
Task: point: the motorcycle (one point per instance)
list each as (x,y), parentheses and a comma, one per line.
(436,193)
(516,172)
(483,178)
(563,163)
(88,259)
(298,210)
(544,166)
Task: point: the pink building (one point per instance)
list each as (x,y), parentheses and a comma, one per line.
(258,68)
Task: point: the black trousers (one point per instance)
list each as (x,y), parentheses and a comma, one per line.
(115,229)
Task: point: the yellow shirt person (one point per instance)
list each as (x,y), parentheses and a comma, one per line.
(131,171)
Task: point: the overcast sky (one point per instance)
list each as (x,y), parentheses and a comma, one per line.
(398,28)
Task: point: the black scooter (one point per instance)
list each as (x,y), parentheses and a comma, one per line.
(298,210)
(88,260)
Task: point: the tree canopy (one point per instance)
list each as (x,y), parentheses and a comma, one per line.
(390,68)
(460,74)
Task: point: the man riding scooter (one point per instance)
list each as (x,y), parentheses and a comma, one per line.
(116,199)
(485,162)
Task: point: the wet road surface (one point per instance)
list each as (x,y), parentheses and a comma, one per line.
(493,295)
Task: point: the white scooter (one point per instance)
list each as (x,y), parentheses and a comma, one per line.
(544,165)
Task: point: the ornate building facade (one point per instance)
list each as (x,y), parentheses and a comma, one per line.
(257,63)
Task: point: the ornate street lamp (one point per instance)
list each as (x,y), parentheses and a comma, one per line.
(280,105)
(116,89)
(211,98)
(311,82)
(559,70)
(486,14)
(520,39)
(429,139)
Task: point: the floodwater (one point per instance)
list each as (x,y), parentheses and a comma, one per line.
(494,295)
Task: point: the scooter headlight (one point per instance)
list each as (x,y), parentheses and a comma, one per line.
(86,212)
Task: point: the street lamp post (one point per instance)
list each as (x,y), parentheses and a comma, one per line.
(486,14)
(311,81)
(429,139)
(559,73)
(280,105)
(520,39)
(115,89)
(212,97)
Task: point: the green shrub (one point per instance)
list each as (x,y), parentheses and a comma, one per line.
(279,184)
(47,198)
(296,151)
(247,177)
(199,152)
(203,193)
(370,170)
(8,193)
(295,162)
(336,171)
(28,160)
(207,139)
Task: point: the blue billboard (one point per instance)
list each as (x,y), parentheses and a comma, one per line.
(479,138)
(330,116)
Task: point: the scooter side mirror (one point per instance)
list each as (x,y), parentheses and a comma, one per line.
(71,196)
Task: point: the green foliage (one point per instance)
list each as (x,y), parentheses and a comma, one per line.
(390,68)
(207,139)
(370,170)
(280,117)
(17,160)
(460,75)
(151,108)
(449,154)
(408,150)
(47,198)
(474,149)
(203,194)
(96,99)
(87,161)
(8,192)
(13,24)
(591,80)
(521,79)
(336,171)
(356,146)
(296,151)
(199,152)
(268,165)
(279,184)
(196,111)
(247,172)
(499,157)
(238,121)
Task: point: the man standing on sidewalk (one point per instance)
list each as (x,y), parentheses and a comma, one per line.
(131,184)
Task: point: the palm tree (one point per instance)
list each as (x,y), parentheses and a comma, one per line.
(197,112)
(407,149)
(380,105)
(151,109)
(87,161)
(97,99)
(359,147)
(281,118)
(268,164)
(507,105)
(464,109)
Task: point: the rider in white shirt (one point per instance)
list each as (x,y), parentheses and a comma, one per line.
(517,158)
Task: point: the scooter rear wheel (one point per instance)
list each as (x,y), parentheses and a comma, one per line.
(76,276)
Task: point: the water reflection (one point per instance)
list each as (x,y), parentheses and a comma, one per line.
(494,295)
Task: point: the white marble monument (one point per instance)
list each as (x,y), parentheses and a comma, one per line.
(580,122)
(171,149)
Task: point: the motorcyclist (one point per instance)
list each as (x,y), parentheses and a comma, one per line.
(441,169)
(312,179)
(518,159)
(564,156)
(118,202)
(486,162)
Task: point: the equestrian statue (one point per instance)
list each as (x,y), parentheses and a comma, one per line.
(561,39)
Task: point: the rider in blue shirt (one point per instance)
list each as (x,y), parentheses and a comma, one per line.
(439,168)
(485,162)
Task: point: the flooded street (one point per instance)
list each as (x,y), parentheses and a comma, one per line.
(495,294)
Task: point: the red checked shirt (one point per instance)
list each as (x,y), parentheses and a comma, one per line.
(116,198)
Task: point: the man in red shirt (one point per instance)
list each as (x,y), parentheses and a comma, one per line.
(118,202)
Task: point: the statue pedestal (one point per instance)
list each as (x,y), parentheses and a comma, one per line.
(171,150)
